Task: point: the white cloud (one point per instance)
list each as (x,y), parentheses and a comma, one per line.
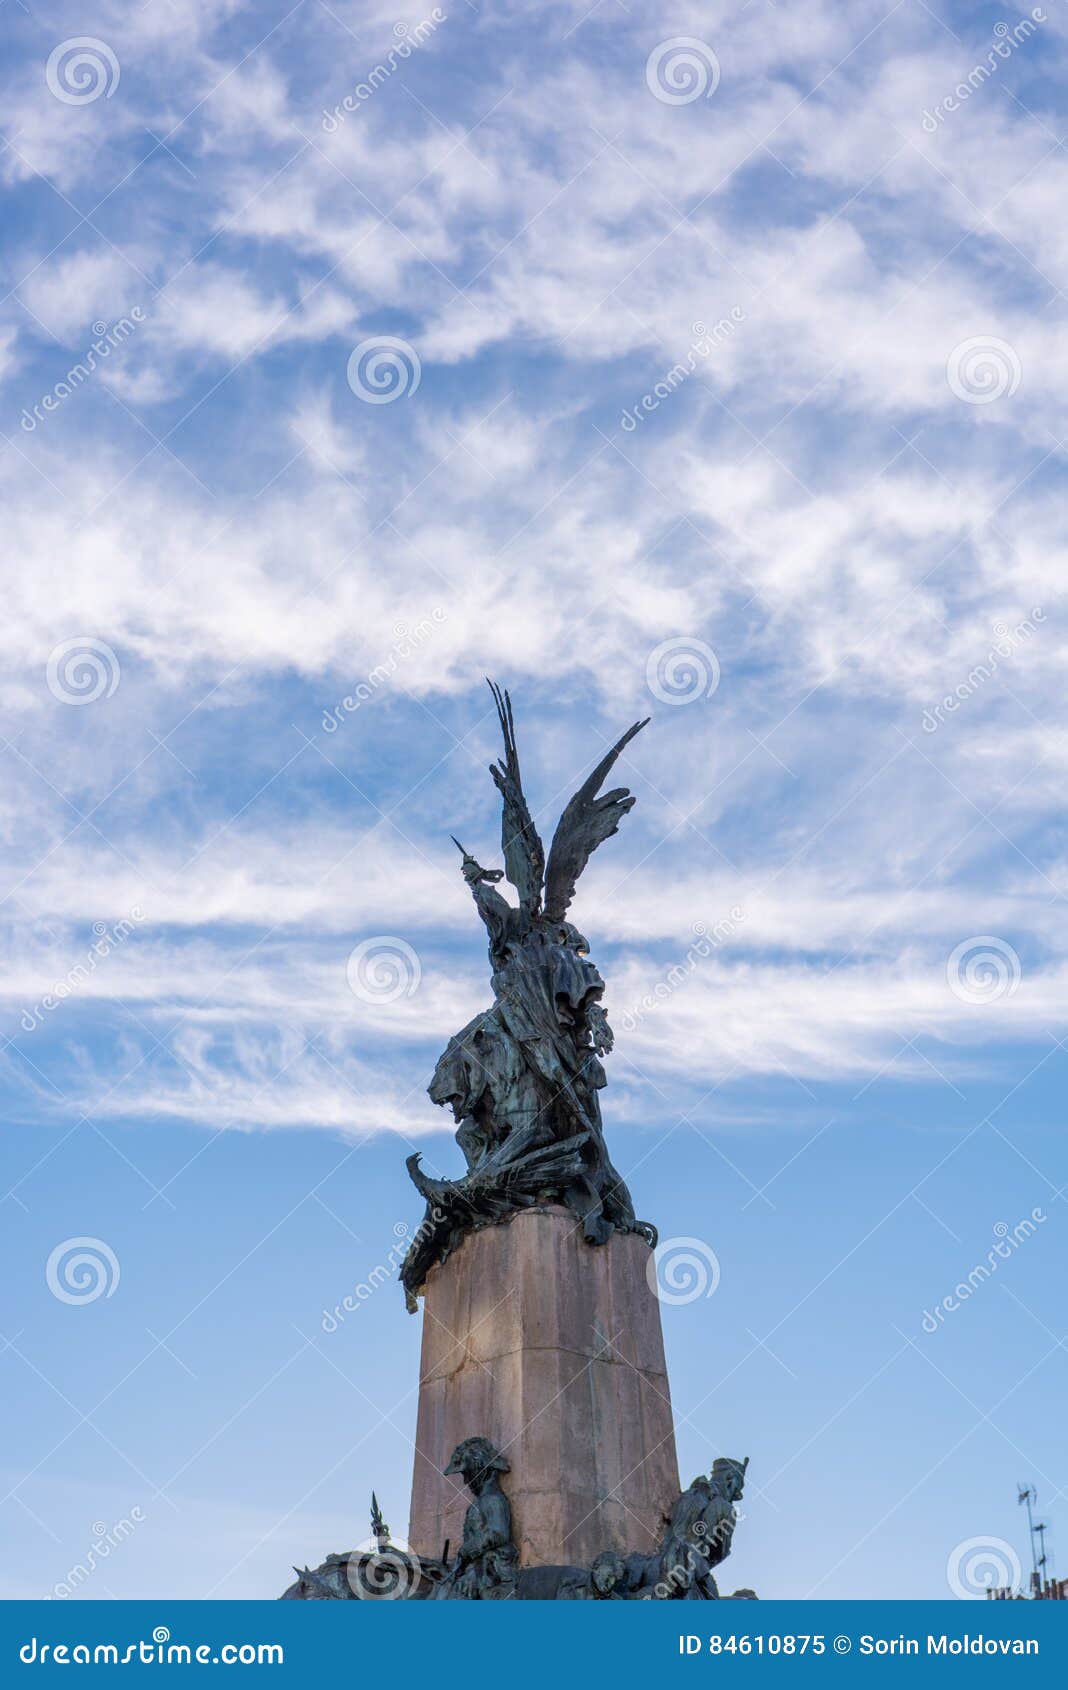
(814,501)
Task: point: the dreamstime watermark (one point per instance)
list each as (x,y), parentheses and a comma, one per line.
(983,970)
(683,1270)
(983,369)
(1008,641)
(382,1273)
(82,69)
(704,342)
(981,1564)
(383,969)
(1009,1240)
(105,1539)
(408,36)
(385,1572)
(406,642)
(155,1651)
(82,1270)
(384,368)
(707,939)
(1007,37)
(682,670)
(680,70)
(700,1550)
(81,670)
(106,940)
(107,339)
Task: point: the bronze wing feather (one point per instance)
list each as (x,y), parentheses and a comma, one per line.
(524,853)
(586,822)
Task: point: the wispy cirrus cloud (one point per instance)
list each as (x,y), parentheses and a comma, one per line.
(819,504)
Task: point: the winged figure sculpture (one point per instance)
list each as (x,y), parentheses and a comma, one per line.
(522,1079)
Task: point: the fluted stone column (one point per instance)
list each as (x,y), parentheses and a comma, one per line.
(552,1348)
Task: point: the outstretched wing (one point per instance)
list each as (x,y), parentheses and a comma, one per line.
(586,823)
(524,854)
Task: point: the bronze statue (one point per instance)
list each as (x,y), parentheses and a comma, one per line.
(487,1564)
(700,1529)
(605,1581)
(383,1572)
(522,1079)
(697,1538)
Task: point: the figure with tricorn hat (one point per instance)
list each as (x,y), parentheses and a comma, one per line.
(486,1566)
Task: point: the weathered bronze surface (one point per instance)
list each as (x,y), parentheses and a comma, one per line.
(487,1564)
(383,1572)
(700,1530)
(522,1079)
(697,1538)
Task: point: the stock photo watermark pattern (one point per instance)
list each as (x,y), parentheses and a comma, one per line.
(983,369)
(82,1270)
(107,338)
(681,70)
(1008,1241)
(979,1566)
(105,1540)
(82,70)
(406,642)
(408,37)
(683,1270)
(983,970)
(682,670)
(702,346)
(384,1273)
(383,369)
(708,938)
(157,1650)
(382,969)
(1006,39)
(708,380)
(1008,641)
(83,670)
(106,939)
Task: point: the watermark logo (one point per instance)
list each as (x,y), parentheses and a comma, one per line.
(81,670)
(82,1270)
(706,940)
(82,69)
(105,941)
(105,1539)
(383,1574)
(157,1651)
(983,970)
(681,70)
(704,343)
(983,369)
(383,969)
(982,1564)
(683,1270)
(383,1273)
(407,641)
(1006,40)
(408,36)
(384,368)
(107,338)
(1007,641)
(682,670)
(1009,1240)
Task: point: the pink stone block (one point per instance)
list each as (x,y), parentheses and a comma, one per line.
(552,1348)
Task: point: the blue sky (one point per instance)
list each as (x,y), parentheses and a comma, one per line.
(721,383)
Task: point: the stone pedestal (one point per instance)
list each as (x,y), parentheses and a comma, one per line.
(553,1349)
